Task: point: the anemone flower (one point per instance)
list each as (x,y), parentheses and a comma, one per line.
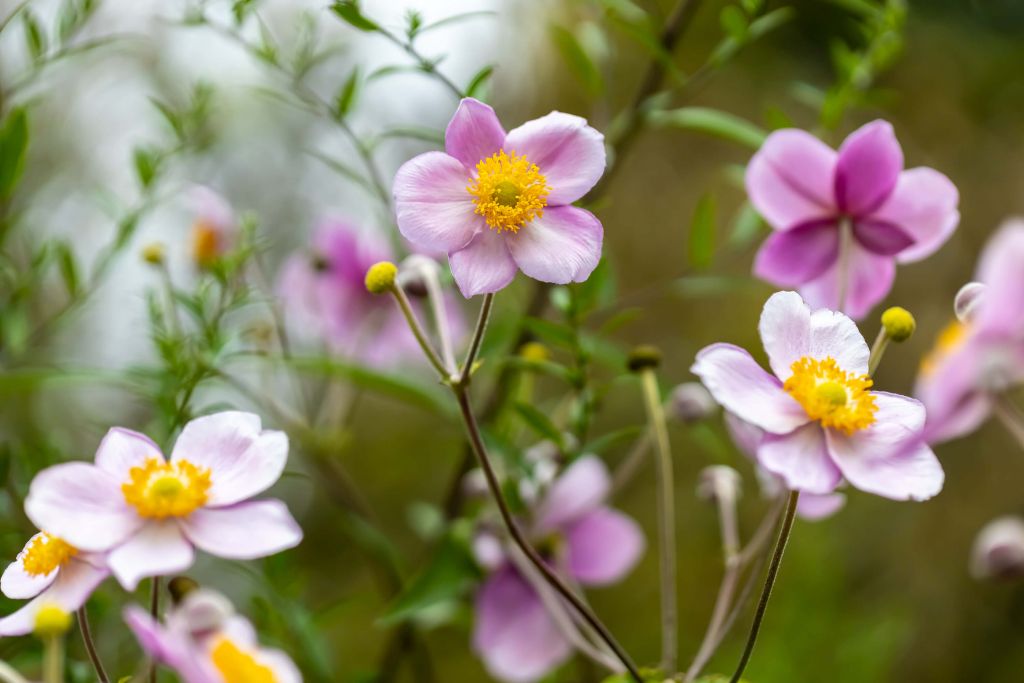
(500,202)
(214,228)
(149,512)
(822,421)
(842,220)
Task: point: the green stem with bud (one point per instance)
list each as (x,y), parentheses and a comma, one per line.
(877,351)
(417,329)
(53,659)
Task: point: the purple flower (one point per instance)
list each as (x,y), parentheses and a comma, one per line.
(50,572)
(982,355)
(497,203)
(324,296)
(149,512)
(806,191)
(515,634)
(821,420)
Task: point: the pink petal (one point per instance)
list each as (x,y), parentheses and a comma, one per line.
(569,153)
(561,247)
(433,208)
(242,458)
(474,133)
(870,162)
(72,588)
(789,180)
(171,646)
(870,279)
(785,329)
(580,489)
(889,458)
(158,549)
(924,205)
(513,633)
(604,545)
(954,403)
(834,335)
(122,449)
(814,508)
(880,237)
(792,257)
(740,385)
(483,266)
(801,459)
(17,584)
(81,504)
(1001,268)
(746,436)
(244,531)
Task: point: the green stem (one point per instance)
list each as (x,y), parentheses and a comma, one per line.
(90,646)
(53,659)
(154,611)
(417,330)
(877,351)
(478,337)
(843,267)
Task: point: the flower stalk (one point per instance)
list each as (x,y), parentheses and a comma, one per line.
(90,646)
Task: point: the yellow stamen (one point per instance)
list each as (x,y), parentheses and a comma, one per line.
(509,191)
(948,341)
(238,666)
(45,553)
(837,399)
(160,489)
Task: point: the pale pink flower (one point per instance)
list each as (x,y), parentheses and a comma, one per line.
(149,512)
(215,227)
(499,202)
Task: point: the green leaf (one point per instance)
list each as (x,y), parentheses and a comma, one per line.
(349,11)
(712,122)
(477,83)
(241,9)
(541,424)
(13,145)
(605,442)
(579,62)
(456,18)
(450,573)
(747,226)
(598,290)
(734,22)
(147,164)
(346,98)
(68,268)
(702,233)
(34,36)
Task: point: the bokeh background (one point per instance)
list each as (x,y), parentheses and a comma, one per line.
(880,592)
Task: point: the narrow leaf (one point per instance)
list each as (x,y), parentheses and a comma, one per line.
(541,424)
(13,145)
(347,95)
(579,62)
(702,233)
(350,13)
(476,85)
(450,573)
(712,122)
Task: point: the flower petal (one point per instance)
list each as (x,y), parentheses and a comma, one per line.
(72,588)
(881,237)
(483,266)
(122,449)
(513,633)
(792,257)
(474,133)
(81,504)
(17,584)
(741,386)
(870,278)
(924,205)
(801,459)
(870,162)
(1002,268)
(835,335)
(580,489)
(814,508)
(889,458)
(562,246)
(244,531)
(789,180)
(242,458)
(158,549)
(746,436)
(785,329)
(569,153)
(433,208)
(171,646)
(604,545)
(949,387)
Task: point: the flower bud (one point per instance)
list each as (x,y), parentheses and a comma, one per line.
(691,402)
(534,352)
(414,273)
(899,323)
(51,621)
(718,483)
(967,300)
(998,551)
(154,253)
(380,278)
(643,357)
(180,587)
(205,611)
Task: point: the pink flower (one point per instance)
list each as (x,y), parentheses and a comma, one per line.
(983,354)
(51,572)
(497,202)
(806,191)
(206,642)
(515,634)
(324,295)
(822,422)
(149,512)
(215,228)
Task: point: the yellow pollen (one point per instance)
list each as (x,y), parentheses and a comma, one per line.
(948,341)
(238,666)
(45,553)
(161,489)
(835,398)
(509,191)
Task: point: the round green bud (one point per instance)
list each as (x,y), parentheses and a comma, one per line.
(380,278)
(643,357)
(51,621)
(154,253)
(899,323)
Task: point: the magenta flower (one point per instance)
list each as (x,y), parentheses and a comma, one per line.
(149,512)
(497,203)
(49,572)
(518,639)
(324,296)
(204,641)
(806,192)
(983,355)
(821,420)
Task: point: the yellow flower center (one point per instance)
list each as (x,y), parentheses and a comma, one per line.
(832,396)
(206,246)
(45,553)
(238,666)
(949,339)
(509,191)
(161,489)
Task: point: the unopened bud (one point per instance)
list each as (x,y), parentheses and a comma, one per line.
(899,323)
(718,483)
(534,352)
(380,277)
(967,300)
(180,587)
(691,402)
(414,273)
(51,621)
(643,357)
(154,253)
(205,611)
(998,551)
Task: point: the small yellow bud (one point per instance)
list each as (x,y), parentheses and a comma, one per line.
(380,277)
(51,621)
(535,352)
(154,253)
(643,357)
(899,323)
